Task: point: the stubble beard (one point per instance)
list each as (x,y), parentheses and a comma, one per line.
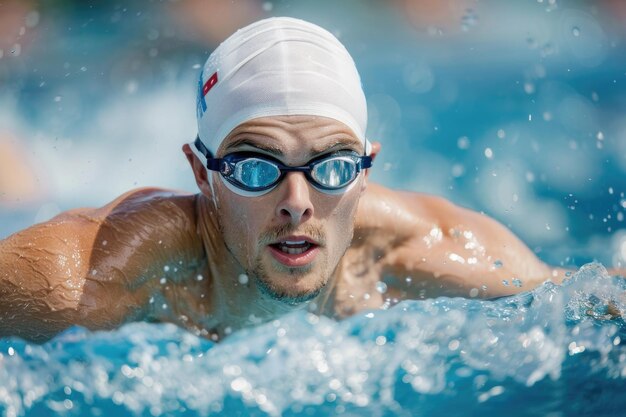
(270,289)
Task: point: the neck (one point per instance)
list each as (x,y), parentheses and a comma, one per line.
(236,300)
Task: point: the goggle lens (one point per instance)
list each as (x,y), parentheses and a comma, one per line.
(335,172)
(256,173)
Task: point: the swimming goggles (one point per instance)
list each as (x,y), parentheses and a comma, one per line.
(256,174)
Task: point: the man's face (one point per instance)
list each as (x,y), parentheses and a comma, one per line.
(261,232)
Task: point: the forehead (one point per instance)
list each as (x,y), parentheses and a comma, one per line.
(284,133)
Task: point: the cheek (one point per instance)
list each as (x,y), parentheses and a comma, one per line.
(341,222)
(241,223)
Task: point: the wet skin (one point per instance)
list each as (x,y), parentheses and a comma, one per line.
(206,261)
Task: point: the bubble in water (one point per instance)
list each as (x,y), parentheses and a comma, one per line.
(83,69)
(381,287)
(243,279)
(196,66)
(488,153)
(501,133)
(166,268)
(162,281)
(57,99)
(576,31)
(268,6)
(600,135)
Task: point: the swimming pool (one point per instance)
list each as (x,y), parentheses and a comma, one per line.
(520,116)
(553,351)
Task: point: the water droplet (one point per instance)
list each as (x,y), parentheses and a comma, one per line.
(517,282)
(529,88)
(469,19)
(11,351)
(498,264)
(163,281)
(243,279)
(83,69)
(57,99)
(576,31)
(568,274)
(488,153)
(199,278)
(166,268)
(463,142)
(505,282)
(408,280)
(611,190)
(196,66)
(458,170)
(381,287)
(600,136)
(501,133)
(381,340)
(473,292)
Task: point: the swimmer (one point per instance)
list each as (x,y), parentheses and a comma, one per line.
(285,219)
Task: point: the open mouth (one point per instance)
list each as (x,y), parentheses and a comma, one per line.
(293,247)
(294,253)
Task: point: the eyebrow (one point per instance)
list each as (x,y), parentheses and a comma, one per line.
(276,151)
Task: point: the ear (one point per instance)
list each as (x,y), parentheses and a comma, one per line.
(199,171)
(376,146)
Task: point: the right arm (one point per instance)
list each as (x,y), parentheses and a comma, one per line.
(95,268)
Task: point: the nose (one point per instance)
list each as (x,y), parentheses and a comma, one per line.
(295,204)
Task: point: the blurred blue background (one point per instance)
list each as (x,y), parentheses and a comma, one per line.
(515,109)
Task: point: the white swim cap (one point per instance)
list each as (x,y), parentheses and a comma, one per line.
(278,66)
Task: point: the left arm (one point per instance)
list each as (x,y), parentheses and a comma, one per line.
(435,248)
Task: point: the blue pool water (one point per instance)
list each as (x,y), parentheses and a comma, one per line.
(554,351)
(519,116)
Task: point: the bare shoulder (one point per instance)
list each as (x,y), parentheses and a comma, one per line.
(447,249)
(90,266)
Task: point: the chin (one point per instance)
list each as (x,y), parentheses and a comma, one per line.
(293,288)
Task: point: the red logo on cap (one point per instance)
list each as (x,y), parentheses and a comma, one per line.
(209,84)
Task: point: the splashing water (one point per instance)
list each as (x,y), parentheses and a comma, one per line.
(555,349)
